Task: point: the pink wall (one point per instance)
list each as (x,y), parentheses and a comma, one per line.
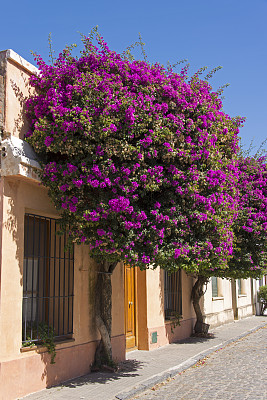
(21,376)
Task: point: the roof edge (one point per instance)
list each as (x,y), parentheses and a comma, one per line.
(12,55)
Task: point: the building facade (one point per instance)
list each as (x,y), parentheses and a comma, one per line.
(44,287)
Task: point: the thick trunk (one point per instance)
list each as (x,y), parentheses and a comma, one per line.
(197,293)
(103,310)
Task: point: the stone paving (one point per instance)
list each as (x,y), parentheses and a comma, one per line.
(237,371)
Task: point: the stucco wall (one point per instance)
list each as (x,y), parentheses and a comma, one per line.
(156,323)
(218,310)
(25,371)
(155,298)
(229,305)
(18,72)
(2,88)
(20,196)
(245,299)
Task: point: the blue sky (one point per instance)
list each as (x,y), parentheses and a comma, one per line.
(230,33)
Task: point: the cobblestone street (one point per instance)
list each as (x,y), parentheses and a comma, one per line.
(238,371)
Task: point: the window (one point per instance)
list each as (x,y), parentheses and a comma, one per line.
(241,285)
(214,286)
(48,277)
(172,294)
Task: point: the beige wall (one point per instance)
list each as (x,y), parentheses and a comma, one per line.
(18,72)
(245,299)
(221,309)
(155,298)
(153,310)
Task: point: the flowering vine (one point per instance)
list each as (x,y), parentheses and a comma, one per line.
(250,228)
(139,160)
(144,165)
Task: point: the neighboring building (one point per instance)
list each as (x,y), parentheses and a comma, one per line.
(258,284)
(41,282)
(227,300)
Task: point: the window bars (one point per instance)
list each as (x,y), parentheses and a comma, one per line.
(239,286)
(48,280)
(172,294)
(214,286)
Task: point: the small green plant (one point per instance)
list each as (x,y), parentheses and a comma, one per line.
(28,342)
(41,334)
(262,297)
(47,338)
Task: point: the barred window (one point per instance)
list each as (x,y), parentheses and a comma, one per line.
(172,294)
(48,278)
(241,285)
(214,286)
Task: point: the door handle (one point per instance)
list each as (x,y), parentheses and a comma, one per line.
(130,303)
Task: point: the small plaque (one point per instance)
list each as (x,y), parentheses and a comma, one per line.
(154,337)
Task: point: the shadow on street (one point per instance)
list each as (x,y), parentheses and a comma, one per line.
(128,368)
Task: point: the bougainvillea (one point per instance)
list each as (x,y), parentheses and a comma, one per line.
(139,160)
(143,165)
(250,228)
(248,256)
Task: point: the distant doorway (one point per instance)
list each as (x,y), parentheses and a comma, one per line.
(130,306)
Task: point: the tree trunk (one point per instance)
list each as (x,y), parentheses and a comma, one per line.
(197,293)
(103,312)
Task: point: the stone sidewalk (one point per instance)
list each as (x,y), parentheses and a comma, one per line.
(144,369)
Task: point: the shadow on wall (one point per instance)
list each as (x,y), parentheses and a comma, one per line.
(161,292)
(69,362)
(11,224)
(181,325)
(170,325)
(20,123)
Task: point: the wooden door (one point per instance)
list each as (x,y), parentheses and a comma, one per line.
(130,307)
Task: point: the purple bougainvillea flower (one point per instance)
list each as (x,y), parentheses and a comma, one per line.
(101,232)
(63,188)
(48,140)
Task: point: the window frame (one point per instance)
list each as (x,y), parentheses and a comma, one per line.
(173,305)
(241,288)
(214,287)
(217,294)
(51,294)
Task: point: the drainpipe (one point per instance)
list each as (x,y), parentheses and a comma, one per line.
(253,300)
(234,299)
(3,65)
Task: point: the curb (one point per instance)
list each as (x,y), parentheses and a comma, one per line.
(171,372)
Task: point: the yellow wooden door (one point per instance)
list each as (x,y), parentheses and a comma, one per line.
(130,308)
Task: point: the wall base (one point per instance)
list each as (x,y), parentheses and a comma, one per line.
(244,311)
(33,372)
(166,335)
(219,318)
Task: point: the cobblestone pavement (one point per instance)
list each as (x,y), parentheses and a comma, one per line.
(238,371)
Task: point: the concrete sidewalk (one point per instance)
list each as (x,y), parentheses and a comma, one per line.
(144,369)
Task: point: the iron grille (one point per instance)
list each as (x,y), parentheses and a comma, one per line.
(214,286)
(239,286)
(48,280)
(172,294)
